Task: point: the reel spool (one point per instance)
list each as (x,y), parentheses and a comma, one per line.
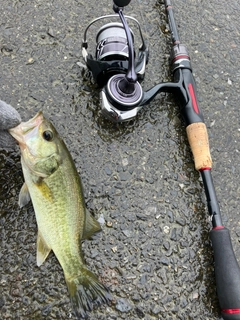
(112,42)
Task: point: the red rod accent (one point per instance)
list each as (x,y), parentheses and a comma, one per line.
(231,311)
(218,228)
(193,96)
(176,42)
(207,168)
(181,56)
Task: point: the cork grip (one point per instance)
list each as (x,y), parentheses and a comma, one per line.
(198,140)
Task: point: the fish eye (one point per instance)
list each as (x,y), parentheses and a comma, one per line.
(47,135)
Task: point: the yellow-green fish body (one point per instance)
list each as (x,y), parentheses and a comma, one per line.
(54,186)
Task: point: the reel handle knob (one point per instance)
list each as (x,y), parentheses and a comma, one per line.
(121,3)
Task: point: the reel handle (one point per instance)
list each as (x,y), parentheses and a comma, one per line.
(124,89)
(127,83)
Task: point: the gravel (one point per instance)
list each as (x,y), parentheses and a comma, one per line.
(154,252)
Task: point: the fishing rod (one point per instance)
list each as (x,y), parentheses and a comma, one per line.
(118,70)
(227,271)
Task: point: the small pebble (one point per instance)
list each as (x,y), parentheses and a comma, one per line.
(166,229)
(123,305)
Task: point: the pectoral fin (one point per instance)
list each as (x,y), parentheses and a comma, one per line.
(91,226)
(42,250)
(24,196)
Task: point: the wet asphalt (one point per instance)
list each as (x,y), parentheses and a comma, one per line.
(154,252)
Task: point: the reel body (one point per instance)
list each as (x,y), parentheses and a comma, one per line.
(115,56)
(112,53)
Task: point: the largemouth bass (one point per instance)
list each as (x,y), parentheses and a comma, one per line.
(54,186)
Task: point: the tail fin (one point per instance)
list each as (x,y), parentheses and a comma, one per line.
(85,292)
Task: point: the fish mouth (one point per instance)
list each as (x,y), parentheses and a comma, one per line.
(23,128)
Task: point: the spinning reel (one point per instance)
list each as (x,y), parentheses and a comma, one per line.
(116,68)
(119,70)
